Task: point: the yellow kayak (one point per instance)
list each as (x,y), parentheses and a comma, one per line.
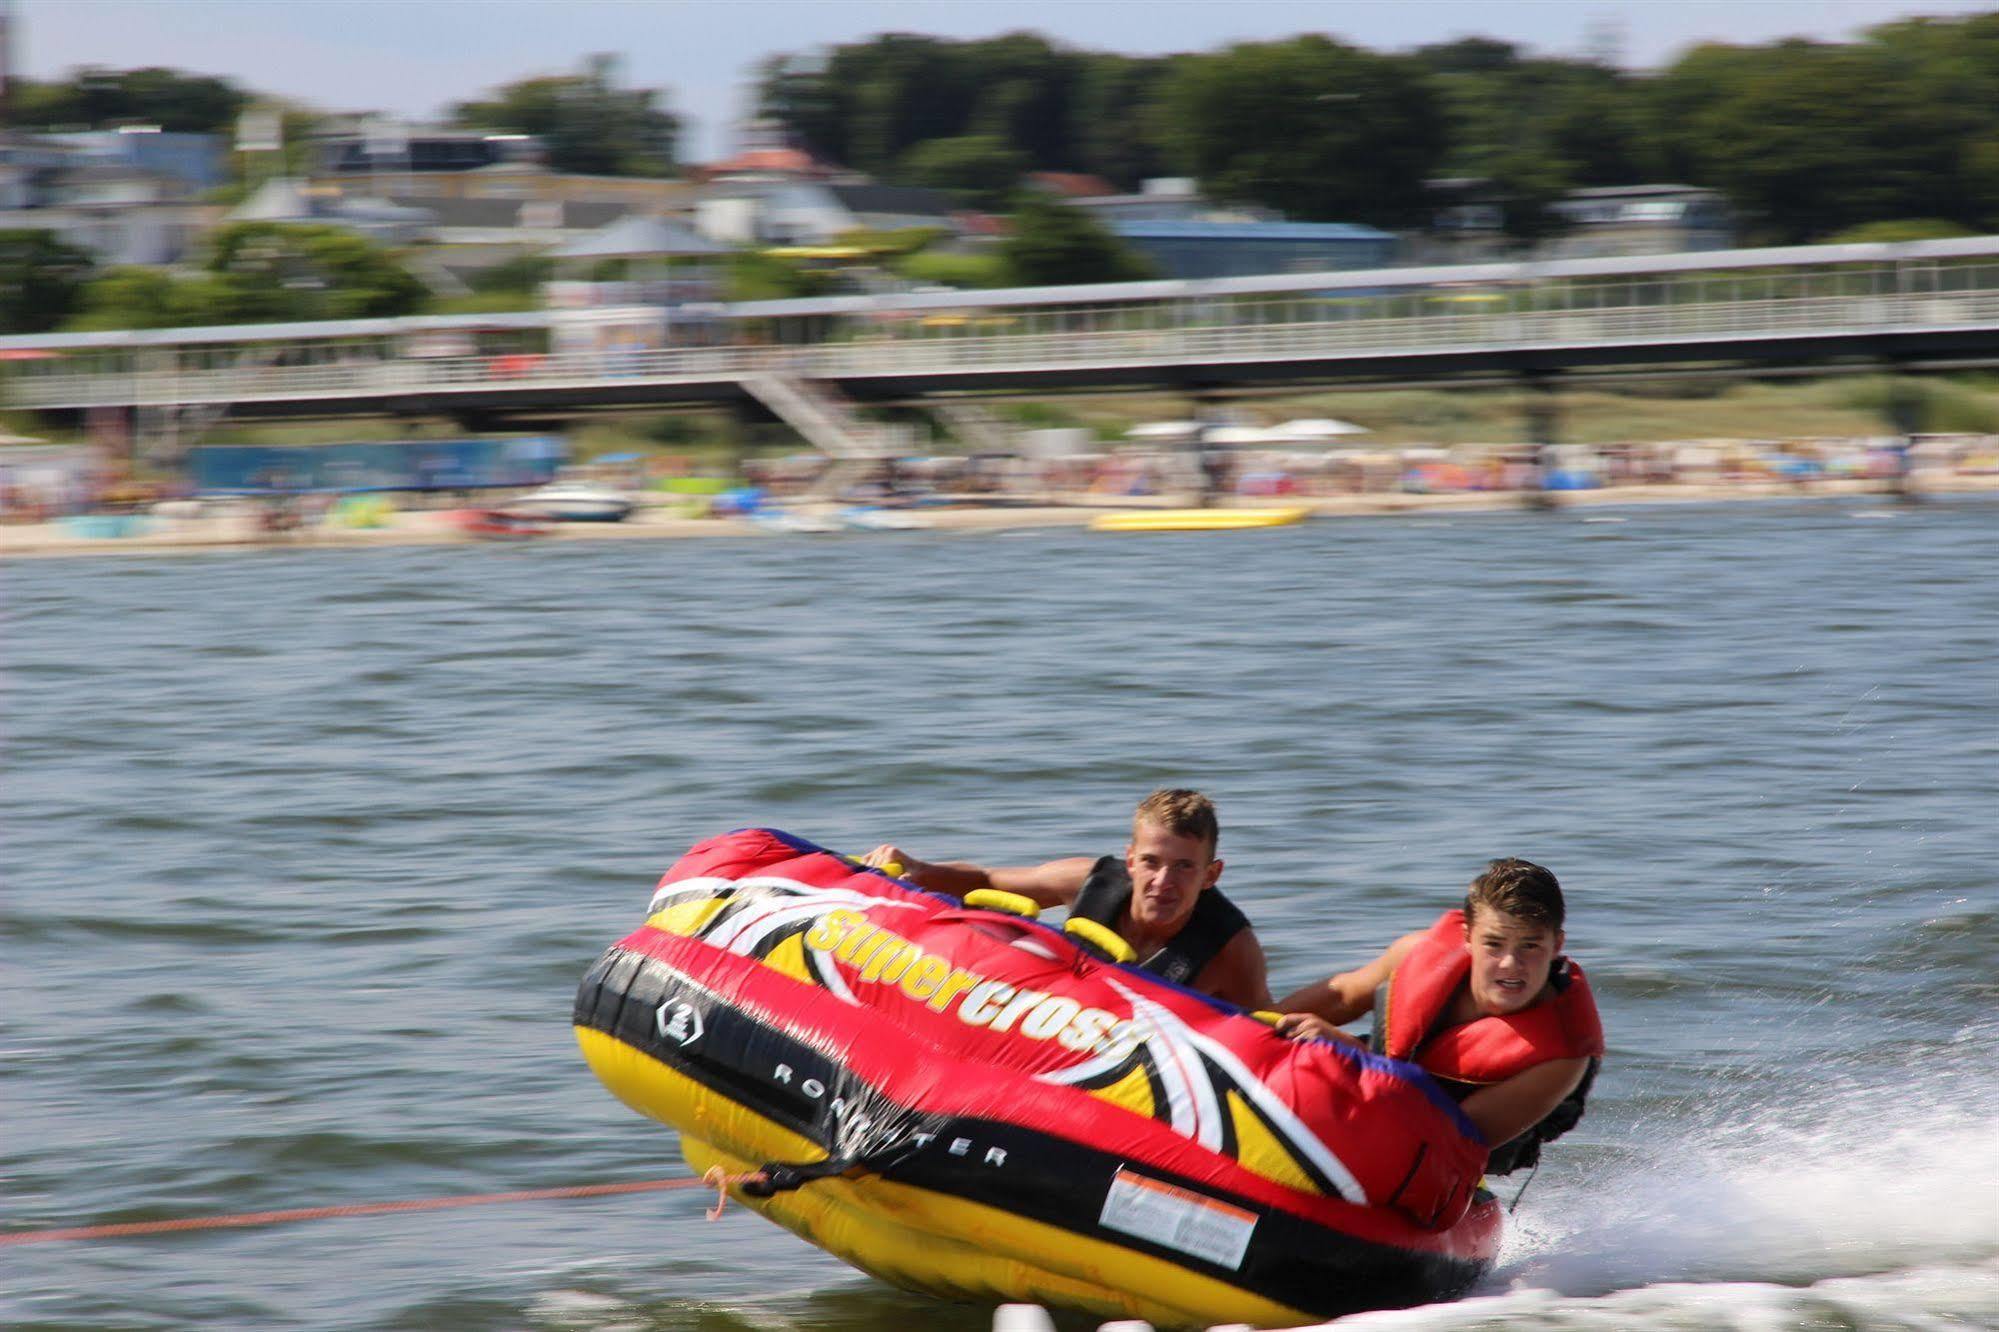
(1196,520)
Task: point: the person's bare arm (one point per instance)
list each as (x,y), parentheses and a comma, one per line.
(1312,1027)
(1507,1109)
(1342,998)
(1237,973)
(1052,883)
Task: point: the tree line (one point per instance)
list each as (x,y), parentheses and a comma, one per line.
(587,121)
(1806,139)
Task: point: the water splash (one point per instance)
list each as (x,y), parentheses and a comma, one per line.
(1924,1300)
(1849,1174)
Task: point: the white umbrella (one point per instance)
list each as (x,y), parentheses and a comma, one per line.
(1237,435)
(1163,430)
(1316,427)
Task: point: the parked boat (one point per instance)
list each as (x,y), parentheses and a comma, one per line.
(499,524)
(576,502)
(1197,520)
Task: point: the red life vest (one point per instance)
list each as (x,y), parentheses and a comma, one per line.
(1487,1049)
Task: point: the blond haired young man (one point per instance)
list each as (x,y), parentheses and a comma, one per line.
(1161,899)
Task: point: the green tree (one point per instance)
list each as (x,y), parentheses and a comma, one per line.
(282,271)
(259,272)
(131,298)
(1978,167)
(1534,128)
(905,89)
(523,273)
(1026,86)
(40,280)
(814,110)
(1901,229)
(978,169)
(1956,61)
(589,125)
(946,268)
(1528,185)
(1053,245)
(97,98)
(868,104)
(1470,55)
(1810,139)
(1309,126)
(1114,117)
(754,276)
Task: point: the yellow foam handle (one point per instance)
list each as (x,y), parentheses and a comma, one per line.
(992,899)
(1102,937)
(893,869)
(1265,1015)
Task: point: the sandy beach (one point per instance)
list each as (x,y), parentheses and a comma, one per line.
(435,527)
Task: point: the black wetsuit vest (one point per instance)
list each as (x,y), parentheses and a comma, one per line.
(1216,920)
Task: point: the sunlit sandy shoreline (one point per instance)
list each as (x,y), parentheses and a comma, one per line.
(435,527)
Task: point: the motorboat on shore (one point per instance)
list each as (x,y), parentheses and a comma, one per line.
(576,502)
(499,524)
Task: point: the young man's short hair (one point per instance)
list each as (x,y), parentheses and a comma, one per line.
(1521,889)
(1181,812)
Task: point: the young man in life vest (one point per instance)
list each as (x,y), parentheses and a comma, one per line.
(1161,899)
(1485,1001)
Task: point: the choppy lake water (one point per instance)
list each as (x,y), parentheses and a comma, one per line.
(304,854)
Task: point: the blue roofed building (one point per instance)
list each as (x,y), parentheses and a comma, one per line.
(1248,249)
(195,161)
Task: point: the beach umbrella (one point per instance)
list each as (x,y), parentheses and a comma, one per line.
(1237,435)
(1164,430)
(1316,427)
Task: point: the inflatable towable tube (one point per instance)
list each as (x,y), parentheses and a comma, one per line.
(976,1105)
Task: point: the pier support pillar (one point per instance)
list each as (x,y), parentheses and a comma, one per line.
(1907,412)
(1203,479)
(1543,412)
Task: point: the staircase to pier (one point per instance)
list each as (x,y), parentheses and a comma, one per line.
(829,423)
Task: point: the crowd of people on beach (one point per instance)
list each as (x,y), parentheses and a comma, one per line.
(1130,472)
(93,489)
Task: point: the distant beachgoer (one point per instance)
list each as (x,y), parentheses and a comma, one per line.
(1160,898)
(1484,1000)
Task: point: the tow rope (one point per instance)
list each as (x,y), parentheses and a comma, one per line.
(1510,1207)
(783,1176)
(715,1179)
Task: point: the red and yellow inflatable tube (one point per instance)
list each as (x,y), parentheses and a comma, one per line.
(976,1105)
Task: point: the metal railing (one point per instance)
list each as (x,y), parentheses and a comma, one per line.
(1230,334)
